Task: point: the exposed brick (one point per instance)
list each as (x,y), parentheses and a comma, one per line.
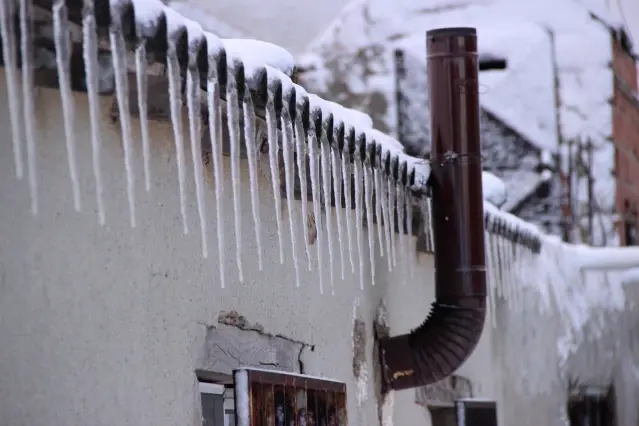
(625,132)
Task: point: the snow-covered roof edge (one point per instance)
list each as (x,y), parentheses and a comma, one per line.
(519,231)
(266,67)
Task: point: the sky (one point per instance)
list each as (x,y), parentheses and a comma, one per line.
(630,10)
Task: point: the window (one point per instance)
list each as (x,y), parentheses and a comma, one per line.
(271,398)
(217,405)
(442,416)
(476,413)
(592,407)
(631,236)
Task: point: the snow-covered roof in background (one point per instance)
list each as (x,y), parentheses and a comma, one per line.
(520,184)
(522,96)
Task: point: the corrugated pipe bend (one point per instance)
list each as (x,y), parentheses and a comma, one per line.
(454,325)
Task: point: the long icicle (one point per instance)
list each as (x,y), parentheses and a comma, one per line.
(400,205)
(26,51)
(141,65)
(410,248)
(118,47)
(175,96)
(300,148)
(386,213)
(431,234)
(491,280)
(273,148)
(391,211)
(233,118)
(346,175)
(326,189)
(63,57)
(358,213)
(215,135)
(90,53)
(339,209)
(378,210)
(194,107)
(315,191)
(7,32)
(368,199)
(287,148)
(251,154)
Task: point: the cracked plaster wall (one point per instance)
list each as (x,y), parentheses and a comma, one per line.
(107,325)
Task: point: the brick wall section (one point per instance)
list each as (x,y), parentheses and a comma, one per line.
(625,132)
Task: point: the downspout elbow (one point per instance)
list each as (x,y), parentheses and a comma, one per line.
(450,333)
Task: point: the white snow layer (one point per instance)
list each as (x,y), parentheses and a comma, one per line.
(576,293)
(583,298)
(329,167)
(535,38)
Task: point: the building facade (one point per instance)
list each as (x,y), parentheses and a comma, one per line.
(124,318)
(625,134)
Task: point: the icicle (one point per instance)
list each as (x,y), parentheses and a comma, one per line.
(409,224)
(142,88)
(195,132)
(386,213)
(251,154)
(494,245)
(215,135)
(429,224)
(26,52)
(339,210)
(90,53)
(491,280)
(326,189)
(273,147)
(358,213)
(118,49)
(233,117)
(287,147)
(7,32)
(63,56)
(392,206)
(399,207)
(378,210)
(368,200)
(176,118)
(346,175)
(502,269)
(313,160)
(514,277)
(300,147)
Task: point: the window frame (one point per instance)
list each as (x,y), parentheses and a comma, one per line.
(228,403)
(249,383)
(462,406)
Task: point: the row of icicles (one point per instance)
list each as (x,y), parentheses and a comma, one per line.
(323,159)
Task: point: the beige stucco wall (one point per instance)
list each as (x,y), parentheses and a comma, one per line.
(104,325)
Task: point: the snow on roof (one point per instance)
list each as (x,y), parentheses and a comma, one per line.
(494,189)
(522,96)
(520,184)
(585,291)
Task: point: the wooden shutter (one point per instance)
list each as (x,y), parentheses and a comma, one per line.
(273,398)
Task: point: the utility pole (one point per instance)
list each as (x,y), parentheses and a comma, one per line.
(564,202)
(591,184)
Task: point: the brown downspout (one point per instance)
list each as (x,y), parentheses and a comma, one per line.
(449,335)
